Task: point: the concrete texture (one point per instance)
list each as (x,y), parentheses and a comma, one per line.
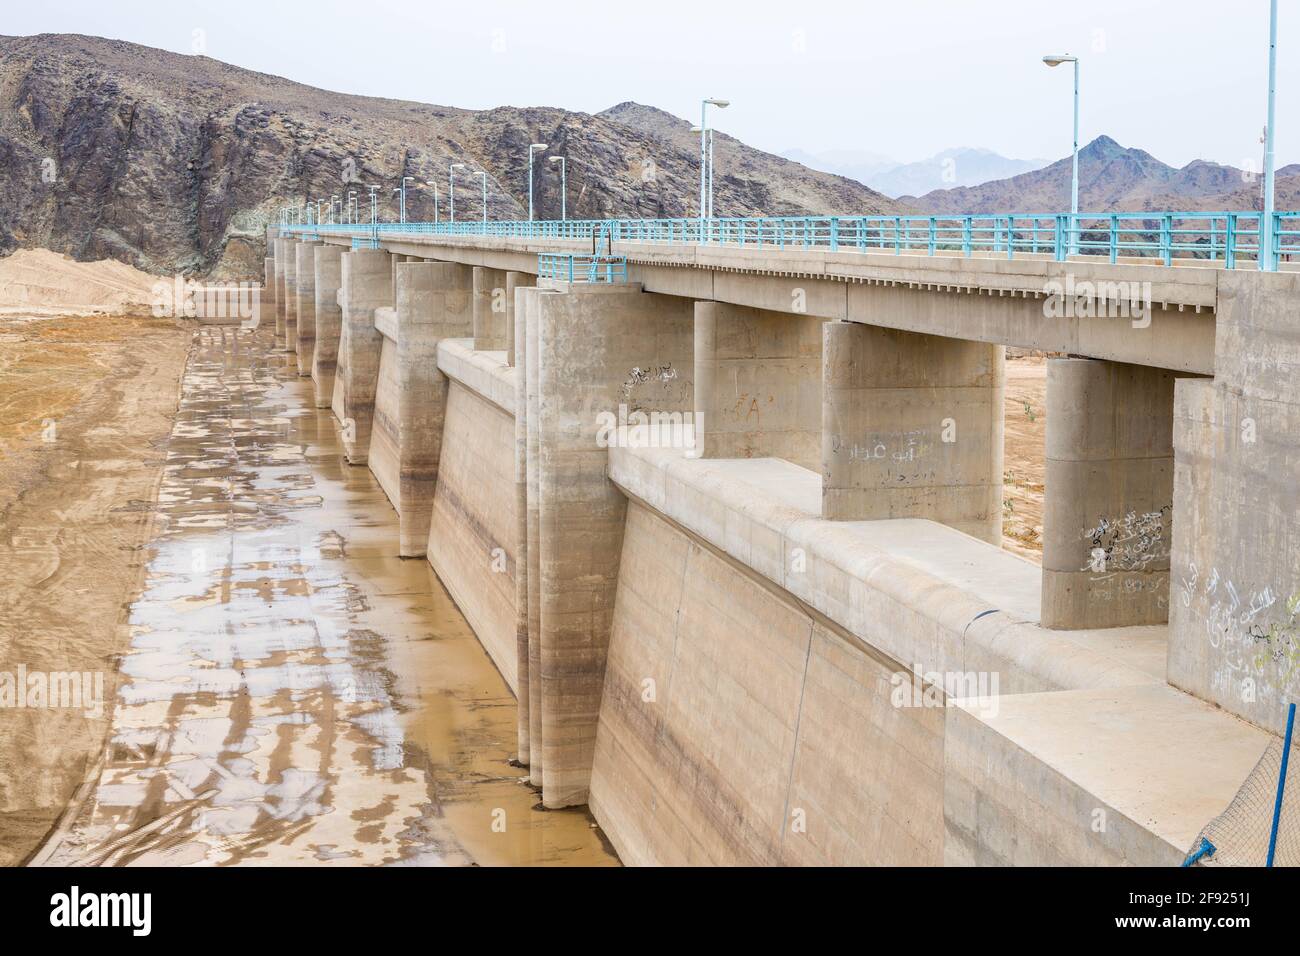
(327,281)
(514,280)
(757,384)
(1235,575)
(489,309)
(268,282)
(1100,777)
(527,306)
(912,427)
(367,285)
(736,728)
(305,280)
(411,394)
(1108,502)
(598,348)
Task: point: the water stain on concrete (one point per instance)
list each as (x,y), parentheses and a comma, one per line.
(294,693)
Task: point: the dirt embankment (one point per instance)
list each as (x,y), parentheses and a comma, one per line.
(86,401)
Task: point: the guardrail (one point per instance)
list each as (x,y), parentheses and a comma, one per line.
(1232,238)
(579,268)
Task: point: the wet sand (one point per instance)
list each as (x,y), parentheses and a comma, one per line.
(292,693)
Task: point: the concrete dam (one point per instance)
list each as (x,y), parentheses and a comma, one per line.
(727,518)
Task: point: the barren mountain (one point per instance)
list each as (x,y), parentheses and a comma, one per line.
(1113,178)
(174,163)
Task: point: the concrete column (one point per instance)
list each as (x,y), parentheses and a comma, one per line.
(594,345)
(367,285)
(328,279)
(758,384)
(432,304)
(523,680)
(514,280)
(267,304)
(912,428)
(489,309)
(281,289)
(1234,619)
(527,306)
(305,306)
(291,296)
(1108,499)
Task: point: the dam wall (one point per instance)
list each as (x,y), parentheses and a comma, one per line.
(729,665)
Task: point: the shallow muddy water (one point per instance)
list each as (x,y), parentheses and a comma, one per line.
(293,693)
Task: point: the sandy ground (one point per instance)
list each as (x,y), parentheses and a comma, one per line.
(1026,420)
(84,406)
(37,282)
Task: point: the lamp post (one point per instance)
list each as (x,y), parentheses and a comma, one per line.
(350,214)
(404,179)
(430,182)
(1266,237)
(1057,60)
(706,173)
(564,186)
(532,148)
(374,208)
(483,176)
(333,199)
(451,186)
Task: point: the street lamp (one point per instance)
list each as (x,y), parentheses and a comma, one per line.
(533,147)
(374,207)
(430,182)
(483,176)
(1266,237)
(351,214)
(1057,60)
(564,186)
(398,193)
(333,199)
(404,179)
(451,186)
(706,152)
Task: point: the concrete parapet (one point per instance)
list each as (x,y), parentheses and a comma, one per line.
(1108,502)
(1235,568)
(367,285)
(489,309)
(328,280)
(757,384)
(598,348)
(305,310)
(912,427)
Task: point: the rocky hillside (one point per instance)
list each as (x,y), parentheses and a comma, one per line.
(174,163)
(1113,178)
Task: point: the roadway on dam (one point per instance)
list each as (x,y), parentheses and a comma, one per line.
(293,692)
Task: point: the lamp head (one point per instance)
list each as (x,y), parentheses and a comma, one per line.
(556,159)
(1058,58)
(721,104)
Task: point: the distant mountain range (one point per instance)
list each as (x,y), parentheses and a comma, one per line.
(963,166)
(1114,178)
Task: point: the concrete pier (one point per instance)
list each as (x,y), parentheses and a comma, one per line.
(489,309)
(367,285)
(600,348)
(327,281)
(912,427)
(1108,503)
(758,384)
(291,296)
(281,246)
(305,309)
(268,293)
(514,280)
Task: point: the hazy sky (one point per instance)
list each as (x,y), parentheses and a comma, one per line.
(1184,79)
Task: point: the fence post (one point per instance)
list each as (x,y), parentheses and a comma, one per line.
(1281,784)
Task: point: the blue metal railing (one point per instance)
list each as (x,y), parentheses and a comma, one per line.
(568,267)
(1230,238)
